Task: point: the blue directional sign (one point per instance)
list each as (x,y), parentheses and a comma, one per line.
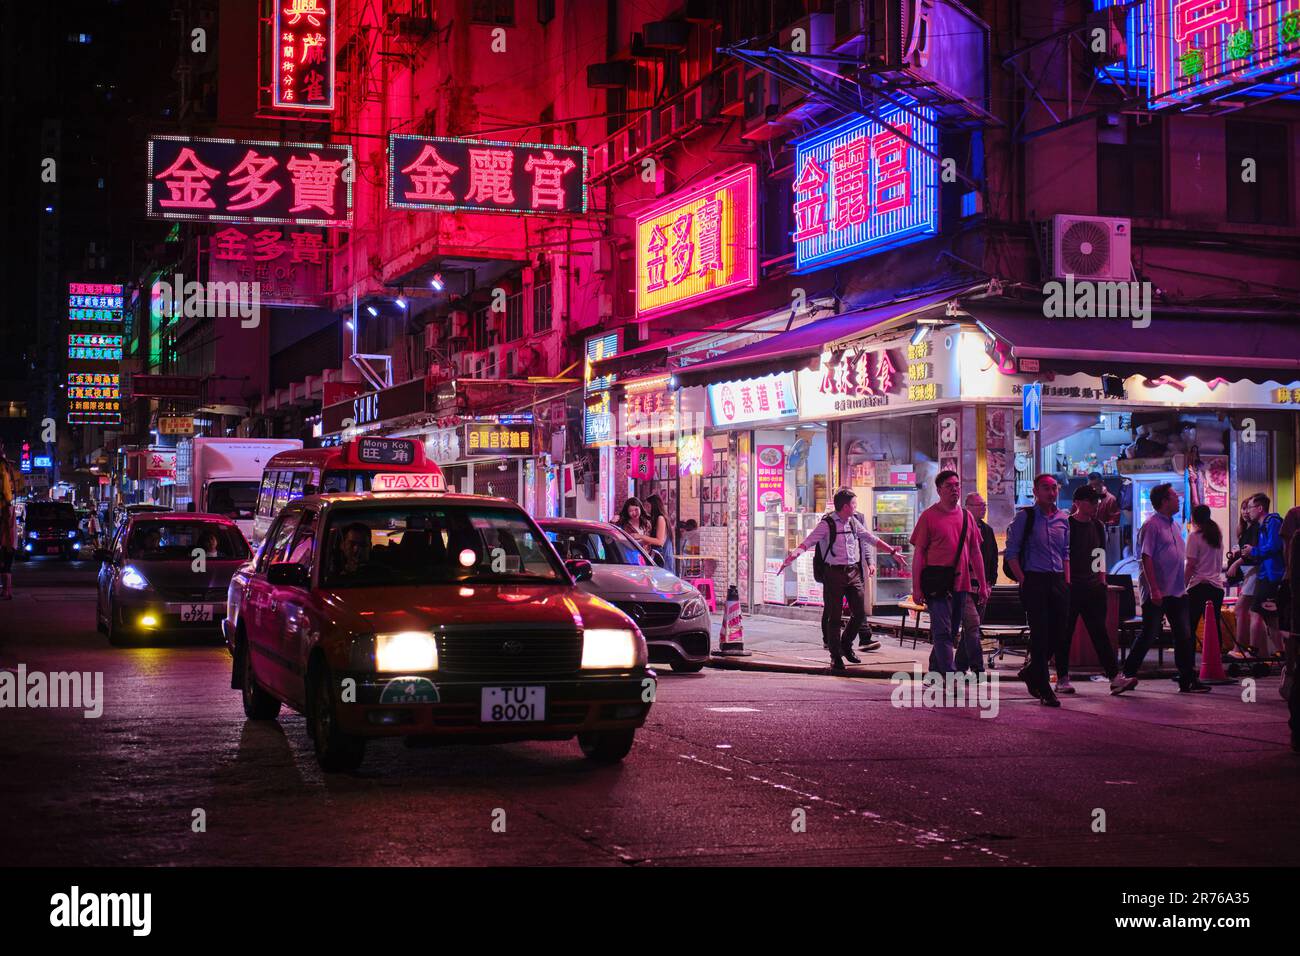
(1031,406)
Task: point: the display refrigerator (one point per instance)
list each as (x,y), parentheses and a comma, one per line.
(1142,510)
(893,516)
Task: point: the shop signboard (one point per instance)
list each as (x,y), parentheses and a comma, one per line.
(94,398)
(409,398)
(648,412)
(166,386)
(766,398)
(475,175)
(161,465)
(442,445)
(94,347)
(95,302)
(878,376)
(598,410)
(1210,48)
(496,440)
(288,264)
(861,188)
(640,463)
(303,53)
(698,245)
(175,425)
(226,180)
(769,475)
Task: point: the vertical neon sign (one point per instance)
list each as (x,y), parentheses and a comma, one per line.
(860,188)
(303,50)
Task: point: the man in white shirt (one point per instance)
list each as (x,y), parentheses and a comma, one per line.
(845,576)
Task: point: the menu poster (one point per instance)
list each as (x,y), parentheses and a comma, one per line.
(773,582)
(807,590)
(770,478)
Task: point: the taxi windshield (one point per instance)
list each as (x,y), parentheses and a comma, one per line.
(435,544)
(598,547)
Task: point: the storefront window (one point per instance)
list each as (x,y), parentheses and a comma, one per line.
(702,468)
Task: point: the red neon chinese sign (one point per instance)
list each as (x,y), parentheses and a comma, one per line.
(699,245)
(225,180)
(303,51)
(427,172)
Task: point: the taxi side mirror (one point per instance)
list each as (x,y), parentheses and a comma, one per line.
(580,569)
(287,575)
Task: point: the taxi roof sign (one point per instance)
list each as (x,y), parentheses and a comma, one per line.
(408,481)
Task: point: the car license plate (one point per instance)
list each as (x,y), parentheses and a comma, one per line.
(52,549)
(503,705)
(196,612)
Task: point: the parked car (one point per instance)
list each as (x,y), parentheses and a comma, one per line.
(670,613)
(123,513)
(49,528)
(450,618)
(152,581)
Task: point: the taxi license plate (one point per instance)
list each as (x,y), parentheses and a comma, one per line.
(196,612)
(503,705)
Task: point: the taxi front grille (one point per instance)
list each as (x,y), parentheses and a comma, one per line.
(514,654)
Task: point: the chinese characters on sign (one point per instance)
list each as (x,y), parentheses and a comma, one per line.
(649,414)
(224,180)
(1286,396)
(94,302)
(769,477)
(303,50)
(289,264)
(94,398)
(1200,47)
(426,172)
(699,245)
(861,187)
(857,372)
(598,413)
(754,399)
(491,438)
(95,347)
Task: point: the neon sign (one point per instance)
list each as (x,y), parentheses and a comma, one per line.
(226,180)
(304,54)
(429,172)
(95,347)
(94,398)
(598,412)
(698,246)
(1201,48)
(95,302)
(860,188)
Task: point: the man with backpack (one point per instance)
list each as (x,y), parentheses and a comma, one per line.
(842,568)
(947,568)
(1038,559)
(1088,595)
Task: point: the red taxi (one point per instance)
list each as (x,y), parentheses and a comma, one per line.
(447,618)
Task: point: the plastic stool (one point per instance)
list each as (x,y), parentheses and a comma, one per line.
(705,587)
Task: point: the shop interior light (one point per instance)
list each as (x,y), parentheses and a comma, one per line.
(400,303)
(436,282)
(350,324)
(372,310)
(919,335)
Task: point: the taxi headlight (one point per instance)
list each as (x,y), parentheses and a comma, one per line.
(406,651)
(693,608)
(610,647)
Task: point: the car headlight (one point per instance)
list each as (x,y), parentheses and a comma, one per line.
(32,534)
(406,651)
(693,608)
(610,647)
(72,534)
(133,579)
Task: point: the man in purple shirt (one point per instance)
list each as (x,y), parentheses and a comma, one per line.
(1038,555)
(1163,588)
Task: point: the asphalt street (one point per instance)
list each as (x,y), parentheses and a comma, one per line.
(732,768)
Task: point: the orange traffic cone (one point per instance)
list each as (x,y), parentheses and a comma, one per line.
(731,635)
(1211,650)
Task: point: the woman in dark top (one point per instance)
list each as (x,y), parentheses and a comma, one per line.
(657,539)
(632,518)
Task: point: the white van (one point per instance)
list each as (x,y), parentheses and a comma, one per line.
(225,474)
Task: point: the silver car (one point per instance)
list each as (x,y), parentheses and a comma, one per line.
(670,613)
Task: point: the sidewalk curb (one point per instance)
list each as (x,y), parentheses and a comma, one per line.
(728,663)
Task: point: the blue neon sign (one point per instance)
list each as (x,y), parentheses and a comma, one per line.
(860,189)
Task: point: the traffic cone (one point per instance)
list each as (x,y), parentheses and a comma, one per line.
(1211,650)
(731,635)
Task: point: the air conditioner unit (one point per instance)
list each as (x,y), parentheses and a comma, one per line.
(431,337)
(647,128)
(458,323)
(631,144)
(850,27)
(817,38)
(692,111)
(1091,247)
(762,104)
(599,159)
(669,120)
(733,90)
(404,25)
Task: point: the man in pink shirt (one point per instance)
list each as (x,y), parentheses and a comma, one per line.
(946,542)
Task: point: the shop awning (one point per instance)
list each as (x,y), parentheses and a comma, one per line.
(799,348)
(1208,347)
(644,355)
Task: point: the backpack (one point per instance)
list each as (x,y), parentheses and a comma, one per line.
(1029,528)
(819,562)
